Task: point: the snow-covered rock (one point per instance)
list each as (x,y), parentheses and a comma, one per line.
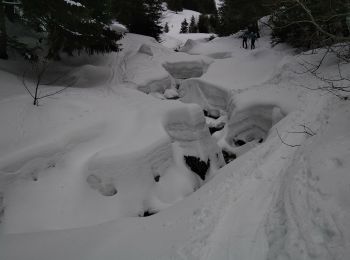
(171,94)
(184,66)
(187,127)
(208,96)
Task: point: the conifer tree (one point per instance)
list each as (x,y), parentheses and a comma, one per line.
(7,15)
(293,24)
(236,15)
(175,5)
(72,26)
(192,5)
(184,26)
(3,33)
(203,24)
(207,7)
(202,6)
(140,16)
(193,26)
(166,27)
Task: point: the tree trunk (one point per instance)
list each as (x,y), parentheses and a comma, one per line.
(3,34)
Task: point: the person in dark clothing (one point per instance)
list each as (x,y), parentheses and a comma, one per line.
(252,40)
(245,37)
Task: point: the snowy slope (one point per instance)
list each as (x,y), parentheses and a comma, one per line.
(174,39)
(77,172)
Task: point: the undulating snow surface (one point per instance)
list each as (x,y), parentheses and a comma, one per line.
(112,169)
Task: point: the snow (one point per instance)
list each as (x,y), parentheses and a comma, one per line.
(118,27)
(75,3)
(174,39)
(184,66)
(80,172)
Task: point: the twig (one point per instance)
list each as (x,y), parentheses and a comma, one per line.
(290,145)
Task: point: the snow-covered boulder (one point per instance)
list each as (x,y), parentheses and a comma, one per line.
(188,45)
(187,127)
(253,123)
(208,96)
(159,85)
(147,74)
(171,94)
(184,66)
(146,49)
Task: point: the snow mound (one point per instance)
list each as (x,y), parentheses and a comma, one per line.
(184,66)
(147,74)
(188,45)
(187,127)
(208,96)
(171,94)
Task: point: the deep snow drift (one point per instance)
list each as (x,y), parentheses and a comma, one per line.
(110,169)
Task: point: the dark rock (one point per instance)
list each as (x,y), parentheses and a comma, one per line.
(212,130)
(197,165)
(148,213)
(156,178)
(261,140)
(207,114)
(228,156)
(239,142)
(173,98)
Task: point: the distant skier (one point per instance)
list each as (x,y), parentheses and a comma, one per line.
(245,37)
(252,37)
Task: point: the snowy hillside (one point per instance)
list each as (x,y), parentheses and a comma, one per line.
(213,152)
(174,39)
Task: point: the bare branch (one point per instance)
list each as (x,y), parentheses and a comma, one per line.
(40,68)
(319,28)
(290,145)
(25,85)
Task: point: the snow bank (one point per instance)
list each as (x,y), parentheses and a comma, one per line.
(311,210)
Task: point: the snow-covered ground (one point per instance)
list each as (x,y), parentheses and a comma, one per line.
(80,172)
